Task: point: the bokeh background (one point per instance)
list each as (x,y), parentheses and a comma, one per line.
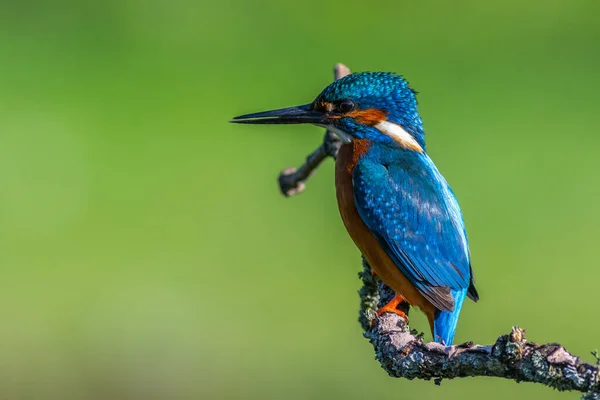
(145,252)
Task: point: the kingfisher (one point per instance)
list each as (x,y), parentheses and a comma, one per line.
(396,206)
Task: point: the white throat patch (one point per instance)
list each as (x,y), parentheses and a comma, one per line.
(344,137)
(399,135)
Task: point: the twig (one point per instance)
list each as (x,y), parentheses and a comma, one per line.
(402,353)
(293,181)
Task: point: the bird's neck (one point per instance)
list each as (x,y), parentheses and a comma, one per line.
(389,154)
(410,121)
(351,153)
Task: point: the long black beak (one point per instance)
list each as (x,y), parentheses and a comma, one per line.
(291,115)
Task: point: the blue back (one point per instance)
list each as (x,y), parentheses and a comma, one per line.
(409,207)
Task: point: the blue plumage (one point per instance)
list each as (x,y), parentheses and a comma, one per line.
(377,90)
(409,224)
(444,322)
(407,204)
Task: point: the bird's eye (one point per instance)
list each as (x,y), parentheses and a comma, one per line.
(345,106)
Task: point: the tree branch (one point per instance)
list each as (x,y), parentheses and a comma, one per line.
(293,181)
(402,352)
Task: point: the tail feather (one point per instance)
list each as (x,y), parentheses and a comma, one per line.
(444,322)
(472,293)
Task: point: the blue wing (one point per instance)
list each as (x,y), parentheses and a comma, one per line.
(412,211)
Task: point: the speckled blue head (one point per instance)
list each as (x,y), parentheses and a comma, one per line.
(381,91)
(377,106)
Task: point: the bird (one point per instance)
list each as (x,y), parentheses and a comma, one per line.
(395,204)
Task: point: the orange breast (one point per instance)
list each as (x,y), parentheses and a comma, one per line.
(381,263)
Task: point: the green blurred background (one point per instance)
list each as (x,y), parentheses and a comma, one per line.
(145,250)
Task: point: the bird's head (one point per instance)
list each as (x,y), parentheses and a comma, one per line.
(377,106)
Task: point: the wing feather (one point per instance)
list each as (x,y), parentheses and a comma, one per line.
(415,216)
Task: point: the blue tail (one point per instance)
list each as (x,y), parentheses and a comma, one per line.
(444,322)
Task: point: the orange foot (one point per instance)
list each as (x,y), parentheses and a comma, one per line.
(392,307)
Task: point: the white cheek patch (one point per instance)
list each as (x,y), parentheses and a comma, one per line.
(399,135)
